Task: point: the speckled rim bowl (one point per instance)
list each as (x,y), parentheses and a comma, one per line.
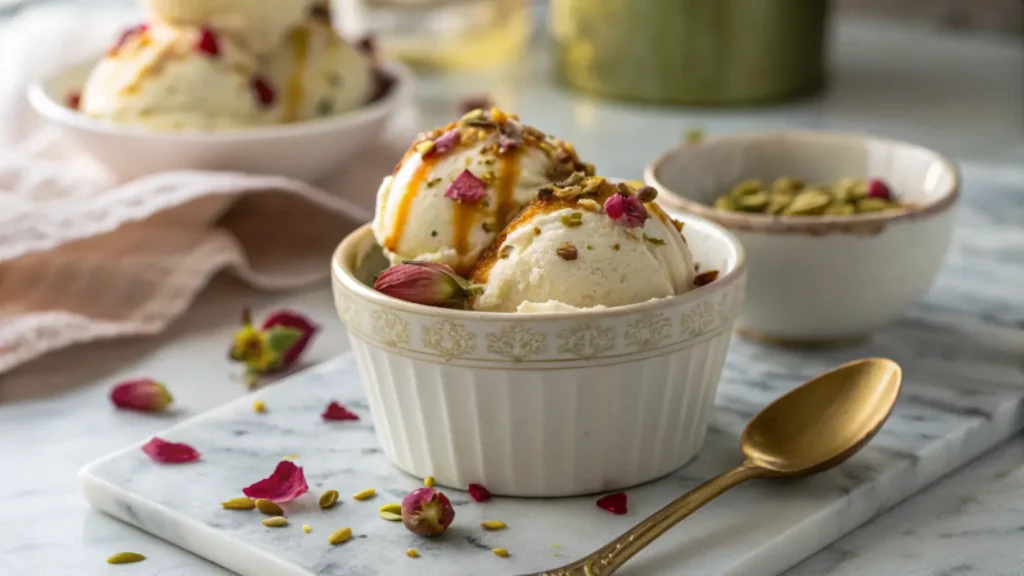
(821,280)
(552,404)
(305,151)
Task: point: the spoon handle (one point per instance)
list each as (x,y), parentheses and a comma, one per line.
(611,557)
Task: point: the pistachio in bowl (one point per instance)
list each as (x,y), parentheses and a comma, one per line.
(788,196)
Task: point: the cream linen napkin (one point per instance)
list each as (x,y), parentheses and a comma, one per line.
(83,257)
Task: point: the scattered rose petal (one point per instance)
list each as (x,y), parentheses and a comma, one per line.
(444,143)
(475,102)
(426,283)
(169,452)
(75,100)
(336,411)
(286,484)
(626,210)
(877,188)
(479,493)
(466,188)
(614,503)
(264,92)
(207,43)
(127,35)
(143,395)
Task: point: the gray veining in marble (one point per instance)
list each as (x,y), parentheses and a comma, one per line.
(961,351)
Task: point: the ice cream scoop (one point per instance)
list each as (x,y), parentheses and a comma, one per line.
(320,74)
(458,186)
(258,24)
(583,244)
(178,78)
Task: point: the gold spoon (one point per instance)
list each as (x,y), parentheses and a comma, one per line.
(812,428)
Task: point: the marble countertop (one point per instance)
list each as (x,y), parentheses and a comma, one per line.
(960,94)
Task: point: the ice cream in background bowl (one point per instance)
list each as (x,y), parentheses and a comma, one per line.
(190,89)
(584,323)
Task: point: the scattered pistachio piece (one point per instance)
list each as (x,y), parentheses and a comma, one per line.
(589,204)
(655,241)
(269,508)
(390,516)
(394,508)
(425,147)
(572,220)
(412,553)
(125,558)
(365,494)
(307,528)
(339,536)
(492,525)
(502,552)
(647,194)
(329,498)
(239,504)
(259,407)
(275,522)
(429,482)
(506,251)
(567,252)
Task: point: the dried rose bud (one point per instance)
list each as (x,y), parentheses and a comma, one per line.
(207,43)
(628,211)
(427,512)
(426,283)
(466,188)
(275,347)
(614,503)
(877,188)
(145,395)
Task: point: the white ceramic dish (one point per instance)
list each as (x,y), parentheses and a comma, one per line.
(305,151)
(548,404)
(818,280)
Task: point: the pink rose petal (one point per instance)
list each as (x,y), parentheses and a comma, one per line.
(466,188)
(445,143)
(614,503)
(169,452)
(479,493)
(626,210)
(286,484)
(338,412)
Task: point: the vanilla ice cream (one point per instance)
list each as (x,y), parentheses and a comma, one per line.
(258,24)
(566,251)
(320,74)
(178,78)
(458,187)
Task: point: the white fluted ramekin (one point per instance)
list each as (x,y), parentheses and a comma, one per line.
(550,404)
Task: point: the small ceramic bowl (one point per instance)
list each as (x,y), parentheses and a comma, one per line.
(549,404)
(305,151)
(821,280)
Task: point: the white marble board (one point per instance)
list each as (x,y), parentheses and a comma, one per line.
(962,351)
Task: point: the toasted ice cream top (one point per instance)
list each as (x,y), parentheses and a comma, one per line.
(457,187)
(178,78)
(584,244)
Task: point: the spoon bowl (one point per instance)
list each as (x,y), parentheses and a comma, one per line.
(825,421)
(814,427)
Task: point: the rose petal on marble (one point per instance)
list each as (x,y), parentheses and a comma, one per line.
(614,503)
(169,452)
(142,395)
(479,493)
(335,411)
(287,483)
(466,188)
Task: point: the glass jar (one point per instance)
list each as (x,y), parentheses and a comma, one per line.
(450,34)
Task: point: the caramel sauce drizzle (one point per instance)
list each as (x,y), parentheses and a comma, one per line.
(296,83)
(417,181)
(508,177)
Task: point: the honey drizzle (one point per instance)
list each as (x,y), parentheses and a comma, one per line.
(300,41)
(419,178)
(508,177)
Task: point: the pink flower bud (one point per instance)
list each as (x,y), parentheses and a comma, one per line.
(425,283)
(626,210)
(427,512)
(144,395)
(877,188)
(466,188)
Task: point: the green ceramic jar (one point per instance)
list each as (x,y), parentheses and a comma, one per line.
(703,52)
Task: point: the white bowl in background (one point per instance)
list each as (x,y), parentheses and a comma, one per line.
(820,280)
(551,404)
(305,151)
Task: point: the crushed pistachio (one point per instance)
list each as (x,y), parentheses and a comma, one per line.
(567,252)
(693,136)
(425,147)
(617,247)
(655,241)
(679,225)
(589,204)
(536,231)
(473,115)
(489,227)
(647,194)
(502,552)
(259,407)
(365,494)
(572,220)
(325,107)
(623,189)
(433,182)
(506,251)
